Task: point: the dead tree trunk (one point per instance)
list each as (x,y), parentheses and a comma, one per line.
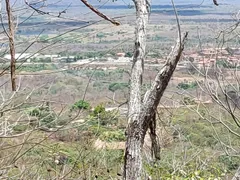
(133,158)
(10,34)
(141,114)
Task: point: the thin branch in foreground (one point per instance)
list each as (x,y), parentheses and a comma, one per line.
(11,44)
(215,2)
(99,13)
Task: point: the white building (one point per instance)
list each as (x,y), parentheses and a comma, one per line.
(20,56)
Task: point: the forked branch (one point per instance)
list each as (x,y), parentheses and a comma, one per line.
(154,95)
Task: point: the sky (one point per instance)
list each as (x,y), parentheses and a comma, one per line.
(127,2)
(164,2)
(155,2)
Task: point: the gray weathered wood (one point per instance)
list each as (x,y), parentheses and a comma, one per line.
(141,114)
(139,122)
(237,175)
(133,158)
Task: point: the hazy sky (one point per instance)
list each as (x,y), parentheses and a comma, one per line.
(158,2)
(127,2)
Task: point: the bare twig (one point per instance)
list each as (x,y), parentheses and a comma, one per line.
(99,13)
(215,2)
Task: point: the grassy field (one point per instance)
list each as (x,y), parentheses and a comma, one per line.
(196,151)
(194,143)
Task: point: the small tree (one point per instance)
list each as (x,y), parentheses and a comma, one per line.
(81,104)
(115,87)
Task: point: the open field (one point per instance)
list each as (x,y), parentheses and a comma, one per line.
(205,21)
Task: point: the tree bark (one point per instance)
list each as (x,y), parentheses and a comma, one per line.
(140,120)
(155,147)
(133,158)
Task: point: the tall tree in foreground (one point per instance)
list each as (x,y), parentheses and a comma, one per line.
(142,112)
(133,158)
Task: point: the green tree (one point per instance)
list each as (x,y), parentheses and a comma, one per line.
(45,116)
(81,104)
(129,54)
(115,87)
(100,36)
(44,38)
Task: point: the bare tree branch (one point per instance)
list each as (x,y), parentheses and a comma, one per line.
(99,13)
(215,2)
(11,44)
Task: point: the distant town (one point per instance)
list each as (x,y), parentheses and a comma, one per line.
(211,57)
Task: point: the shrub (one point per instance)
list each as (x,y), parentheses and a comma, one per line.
(129,54)
(20,128)
(188,101)
(117,86)
(104,117)
(45,116)
(80,105)
(98,110)
(230,162)
(186,85)
(118,135)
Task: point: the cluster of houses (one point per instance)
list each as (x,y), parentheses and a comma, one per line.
(211,56)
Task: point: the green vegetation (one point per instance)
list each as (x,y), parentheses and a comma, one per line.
(110,136)
(188,101)
(168,169)
(37,67)
(20,128)
(48,160)
(129,54)
(103,124)
(84,55)
(225,64)
(117,86)
(195,154)
(183,159)
(42,60)
(44,38)
(187,85)
(99,116)
(81,104)
(46,117)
